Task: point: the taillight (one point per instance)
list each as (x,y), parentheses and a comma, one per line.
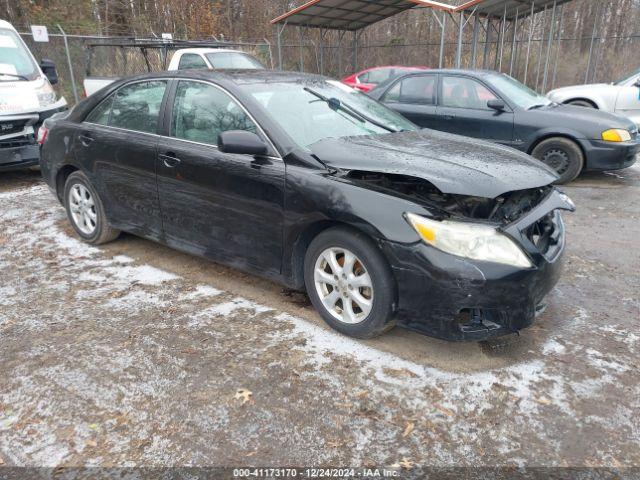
(42,134)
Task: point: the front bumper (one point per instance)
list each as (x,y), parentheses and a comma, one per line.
(454,298)
(18,149)
(602,155)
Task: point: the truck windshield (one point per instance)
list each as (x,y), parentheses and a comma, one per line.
(15,60)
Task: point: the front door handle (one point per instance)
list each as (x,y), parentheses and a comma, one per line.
(170,160)
(449,117)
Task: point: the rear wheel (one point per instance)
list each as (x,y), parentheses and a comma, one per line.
(350,283)
(85,210)
(562,155)
(581,103)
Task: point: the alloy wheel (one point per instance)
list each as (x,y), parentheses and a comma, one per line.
(343,285)
(83,209)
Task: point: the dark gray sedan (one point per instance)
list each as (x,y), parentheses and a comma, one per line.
(496,107)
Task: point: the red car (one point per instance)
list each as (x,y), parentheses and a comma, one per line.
(370,78)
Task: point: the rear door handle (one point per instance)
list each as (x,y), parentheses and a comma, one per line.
(169,159)
(449,117)
(86,139)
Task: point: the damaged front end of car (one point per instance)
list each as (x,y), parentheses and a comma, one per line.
(483,265)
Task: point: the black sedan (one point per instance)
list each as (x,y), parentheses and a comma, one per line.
(305,181)
(496,107)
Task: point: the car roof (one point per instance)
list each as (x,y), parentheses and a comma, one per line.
(458,71)
(5,24)
(240,76)
(209,50)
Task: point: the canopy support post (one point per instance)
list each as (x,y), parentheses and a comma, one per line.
(593,36)
(551,34)
(513,43)
(544,22)
(558,48)
(474,42)
(531,25)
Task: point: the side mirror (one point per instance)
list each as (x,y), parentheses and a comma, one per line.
(241,142)
(49,69)
(496,104)
(637,84)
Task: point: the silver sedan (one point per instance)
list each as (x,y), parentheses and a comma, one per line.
(622,97)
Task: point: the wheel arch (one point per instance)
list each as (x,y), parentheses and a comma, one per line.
(61,178)
(583,99)
(294,262)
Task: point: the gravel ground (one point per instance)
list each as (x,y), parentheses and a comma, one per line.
(132,354)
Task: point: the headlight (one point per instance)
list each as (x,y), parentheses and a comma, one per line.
(616,135)
(46,94)
(470,240)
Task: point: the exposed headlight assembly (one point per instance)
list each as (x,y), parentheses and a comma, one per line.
(616,135)
(469,240)
(46,94)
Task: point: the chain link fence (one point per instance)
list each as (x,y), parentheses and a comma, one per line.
(612,57)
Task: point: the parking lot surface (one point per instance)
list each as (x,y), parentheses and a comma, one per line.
(132,354)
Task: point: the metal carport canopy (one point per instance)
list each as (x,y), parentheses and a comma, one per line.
(349,15)
(352,15)
(497,8)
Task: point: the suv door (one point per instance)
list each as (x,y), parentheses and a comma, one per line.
(414,97)
(117,146)
(462,109)
(224,206)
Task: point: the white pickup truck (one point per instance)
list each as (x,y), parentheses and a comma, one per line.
(190,58)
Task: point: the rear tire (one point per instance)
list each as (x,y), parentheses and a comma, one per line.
(562,155)
(350,283)
(581,103)
(86,212)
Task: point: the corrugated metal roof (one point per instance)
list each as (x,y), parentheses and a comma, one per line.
(496,8)
(356,14)
(343,14)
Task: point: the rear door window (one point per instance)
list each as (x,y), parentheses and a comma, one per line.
(100,114)
(201,112)
(137,106)
(420,89)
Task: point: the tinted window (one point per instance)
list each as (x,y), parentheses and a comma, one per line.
(460,92)
(413,90)
(201,112)
(234,60)
(100,114)
(191,60)
(137,106)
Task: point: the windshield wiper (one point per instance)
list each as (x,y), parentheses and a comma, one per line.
(14,75)
(336,104)
(539,105)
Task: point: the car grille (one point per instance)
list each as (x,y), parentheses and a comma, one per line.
(8,127)
(547,234)
(16,142)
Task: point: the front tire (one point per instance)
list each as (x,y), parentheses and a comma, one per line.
(562,155)
(350,283)
(86,212)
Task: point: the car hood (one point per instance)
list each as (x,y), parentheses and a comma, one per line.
(589,121)
(452,163)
